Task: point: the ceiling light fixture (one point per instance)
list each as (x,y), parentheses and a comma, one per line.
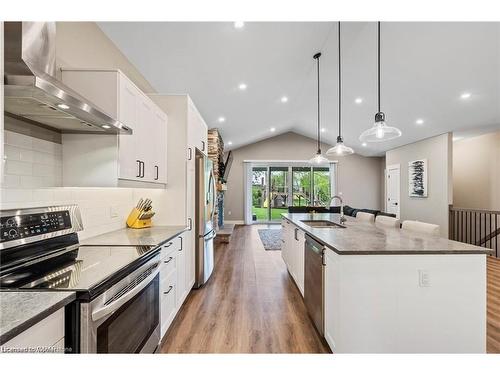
(221,119)
(318,158)
(340,149)
(63,106)
(284,99)
(364,144)
(380,131)
(239,24)
(242,86)
(358,100)
(106,126)
(229,143)
(419,121)
(323,130)
(465,95)
(272,130)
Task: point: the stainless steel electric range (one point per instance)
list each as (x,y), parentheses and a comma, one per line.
(117,287)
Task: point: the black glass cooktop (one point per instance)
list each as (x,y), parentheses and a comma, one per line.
(81,269)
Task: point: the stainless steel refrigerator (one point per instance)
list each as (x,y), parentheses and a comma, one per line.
(205,209)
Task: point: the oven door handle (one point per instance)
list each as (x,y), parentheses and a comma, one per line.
(115,305)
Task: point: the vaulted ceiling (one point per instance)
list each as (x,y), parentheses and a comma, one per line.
(426,68)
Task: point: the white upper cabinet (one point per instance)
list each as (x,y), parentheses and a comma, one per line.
(198,130)
(141,156)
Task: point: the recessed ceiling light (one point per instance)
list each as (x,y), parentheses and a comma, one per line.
(229,143)
(358,100)
(221,119)
(419,121)
(63,106)
(106,126)
(242,86)
(239,24)
(272,130)
(363,144)
(323,130)
(284,99)
(465,95)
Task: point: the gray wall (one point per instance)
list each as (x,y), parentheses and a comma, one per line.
(359,177)
(476,172)
(438,152)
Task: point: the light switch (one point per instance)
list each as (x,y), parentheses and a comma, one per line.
(424,278)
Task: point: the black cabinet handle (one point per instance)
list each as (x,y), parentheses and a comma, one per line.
(143,169)
(181,244)
(202,145)
(169,289)
(190,153)
(168,260)
(157,172)
(139,165)
(295,234)
(190,221)
(169,244)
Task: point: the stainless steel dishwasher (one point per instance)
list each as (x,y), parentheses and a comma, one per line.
(314,271)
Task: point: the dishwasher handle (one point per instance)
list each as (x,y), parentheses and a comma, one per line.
(316,247)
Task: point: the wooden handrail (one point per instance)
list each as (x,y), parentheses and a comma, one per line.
(483,211)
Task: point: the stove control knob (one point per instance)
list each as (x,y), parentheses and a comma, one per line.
(12,233)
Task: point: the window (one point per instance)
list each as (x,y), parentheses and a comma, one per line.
(274,187)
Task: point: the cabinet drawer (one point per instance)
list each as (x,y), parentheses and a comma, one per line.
(168,265)
(175,244)
(168,292)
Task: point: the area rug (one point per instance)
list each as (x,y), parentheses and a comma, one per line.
(271,238)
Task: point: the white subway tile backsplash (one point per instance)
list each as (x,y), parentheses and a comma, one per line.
(19,140)
(96,204)
(37,163)
(19,168)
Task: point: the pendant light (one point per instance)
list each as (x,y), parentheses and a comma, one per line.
(340,148)
(380,131)
(318,158)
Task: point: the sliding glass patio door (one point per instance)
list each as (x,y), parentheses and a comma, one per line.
(276,187)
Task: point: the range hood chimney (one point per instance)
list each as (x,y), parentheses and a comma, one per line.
(32,91)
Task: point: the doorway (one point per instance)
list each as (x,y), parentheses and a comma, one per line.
(392,189)
(275,187)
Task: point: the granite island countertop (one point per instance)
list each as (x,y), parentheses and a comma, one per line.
(362,238)
(19,310)
(153,236)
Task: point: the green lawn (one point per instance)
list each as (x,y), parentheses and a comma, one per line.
(262,213)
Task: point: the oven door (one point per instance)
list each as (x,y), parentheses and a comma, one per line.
(126,318)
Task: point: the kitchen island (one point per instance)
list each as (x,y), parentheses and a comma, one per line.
(389,290)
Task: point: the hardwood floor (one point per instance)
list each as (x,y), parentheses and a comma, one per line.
(493,306)
(249,305)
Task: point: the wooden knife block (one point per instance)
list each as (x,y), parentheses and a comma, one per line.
(133,220)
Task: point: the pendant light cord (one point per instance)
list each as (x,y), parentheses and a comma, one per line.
(340,91)
(319,132)
(378,66)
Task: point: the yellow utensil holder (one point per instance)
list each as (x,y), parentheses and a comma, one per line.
(133,220)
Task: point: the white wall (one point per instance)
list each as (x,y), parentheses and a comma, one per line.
(358,176)
(476,172)
(438,152)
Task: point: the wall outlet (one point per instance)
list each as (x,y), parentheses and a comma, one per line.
(228,213)
(113,212)
(424,279)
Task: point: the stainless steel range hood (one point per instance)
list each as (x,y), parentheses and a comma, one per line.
(32,91)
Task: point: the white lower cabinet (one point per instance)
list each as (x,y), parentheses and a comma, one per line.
(46,336)
(292,252)
(176,277)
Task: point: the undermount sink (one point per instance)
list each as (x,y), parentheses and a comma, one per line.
(322,224)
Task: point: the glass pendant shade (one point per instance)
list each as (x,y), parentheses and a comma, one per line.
(318,159)
(340,149)
(380,131)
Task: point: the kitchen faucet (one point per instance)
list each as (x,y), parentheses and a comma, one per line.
(327,206)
